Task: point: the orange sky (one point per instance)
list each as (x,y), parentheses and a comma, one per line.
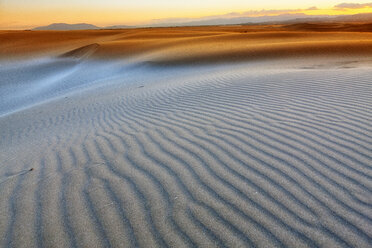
(23,14)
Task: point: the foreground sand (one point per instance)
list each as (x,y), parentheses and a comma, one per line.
(209,137)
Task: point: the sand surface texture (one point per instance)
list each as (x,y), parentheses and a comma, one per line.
(186,137)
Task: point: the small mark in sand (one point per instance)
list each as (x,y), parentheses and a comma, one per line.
(107,205)
(141,86)
(9,177)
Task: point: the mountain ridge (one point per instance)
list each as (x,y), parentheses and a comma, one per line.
(279,19)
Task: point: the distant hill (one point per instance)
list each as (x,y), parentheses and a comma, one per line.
(65,26)
(236,20)
(117,27)
(367,17)
(278,19)
(364,18)
(78,26)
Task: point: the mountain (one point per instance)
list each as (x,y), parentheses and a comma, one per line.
(65,26)
(365,17)
(235,20)
(278,19)
(78,26)
(117,27)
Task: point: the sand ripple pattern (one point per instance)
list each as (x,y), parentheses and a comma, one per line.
(218,159)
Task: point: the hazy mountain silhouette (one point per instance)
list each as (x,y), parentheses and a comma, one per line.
(117,27)
(65,26)
(366,17)
(77,26)
(279,19)
(235,20)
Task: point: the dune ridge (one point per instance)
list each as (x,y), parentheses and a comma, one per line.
(81,52)
(127,153)
(190,45)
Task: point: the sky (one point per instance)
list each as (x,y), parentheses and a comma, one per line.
(23,14)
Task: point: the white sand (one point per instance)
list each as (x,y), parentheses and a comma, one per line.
(258,154)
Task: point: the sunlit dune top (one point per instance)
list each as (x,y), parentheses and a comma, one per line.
(192,45)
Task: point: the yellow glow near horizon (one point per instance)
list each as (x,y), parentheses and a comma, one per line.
(23,14)
(338,12)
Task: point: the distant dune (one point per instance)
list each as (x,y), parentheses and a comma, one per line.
(331,27)
(219,44)
(225,136)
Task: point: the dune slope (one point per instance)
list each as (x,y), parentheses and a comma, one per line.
(134,151)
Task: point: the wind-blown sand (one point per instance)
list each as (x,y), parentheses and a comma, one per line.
(244,136)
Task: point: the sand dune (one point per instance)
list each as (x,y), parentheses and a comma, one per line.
(81,52)
(193,44)
(261,143)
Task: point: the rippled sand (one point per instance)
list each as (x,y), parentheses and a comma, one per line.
(181,137)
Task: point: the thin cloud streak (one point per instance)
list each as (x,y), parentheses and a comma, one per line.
(353,5)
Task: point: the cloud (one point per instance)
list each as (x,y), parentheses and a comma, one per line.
(313,8)
(353,5)
(270,12)
(250,13)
